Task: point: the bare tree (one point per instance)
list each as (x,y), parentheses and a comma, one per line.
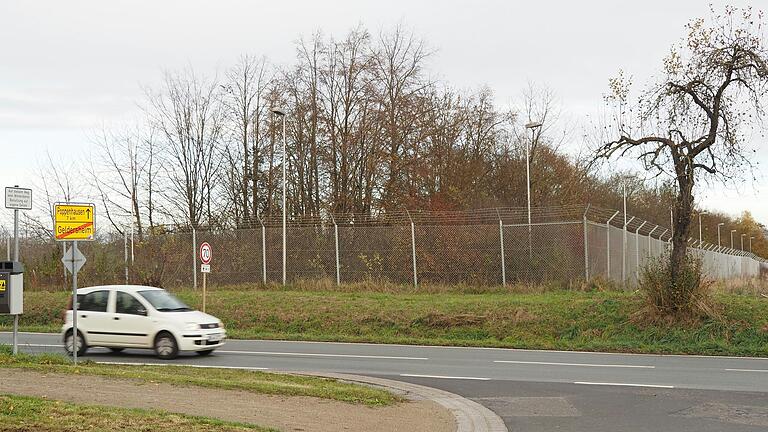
(187,114)
(692,123)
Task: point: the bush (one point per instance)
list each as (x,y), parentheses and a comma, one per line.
(687,299)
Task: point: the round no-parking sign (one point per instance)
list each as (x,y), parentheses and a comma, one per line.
(205,253)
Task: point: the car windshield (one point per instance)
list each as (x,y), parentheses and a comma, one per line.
(164,301)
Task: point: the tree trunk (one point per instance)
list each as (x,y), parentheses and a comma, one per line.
(682,218)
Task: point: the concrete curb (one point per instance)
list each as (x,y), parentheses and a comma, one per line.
(470,416)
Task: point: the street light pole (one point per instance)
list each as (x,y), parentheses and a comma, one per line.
(718,232)
(732,231)
(750,244)
(700,239)
(742,242)
(281,113)
(532,126)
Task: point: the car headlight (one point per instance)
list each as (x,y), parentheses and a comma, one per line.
(191,326)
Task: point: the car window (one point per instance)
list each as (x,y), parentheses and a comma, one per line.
(164,301)
(127,304)
(95,301)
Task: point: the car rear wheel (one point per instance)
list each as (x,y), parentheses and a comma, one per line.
(79,342)
(204,352)
(166,347)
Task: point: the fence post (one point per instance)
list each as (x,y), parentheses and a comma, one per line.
(413,250)
(194,257)
(608,245)
(501,242)
(637,252)
(263,252)
(586,251)
(336,238)
(624,251)
(125,253)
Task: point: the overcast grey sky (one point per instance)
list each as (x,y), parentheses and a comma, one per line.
(68,67)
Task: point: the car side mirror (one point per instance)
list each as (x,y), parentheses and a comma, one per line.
(142,311)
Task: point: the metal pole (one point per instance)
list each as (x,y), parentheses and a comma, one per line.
(336,238)
(503,261)
(637,251)
(608,244)
(8,248)
(285,161)
(413,251)
(718,234)
(742,242)
(750,244)
(125,254)
(15,235)
(732,231)
(624,238)
(700,238)
(15,258)
(650,234)
(74,303)
(586,250)
(194,258)
(263,251)
(528,189)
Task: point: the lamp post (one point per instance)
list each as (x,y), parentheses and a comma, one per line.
(532,126)
(742,242)
(281,113)
(750,244)
(718,232)
(700,215)
(732,231)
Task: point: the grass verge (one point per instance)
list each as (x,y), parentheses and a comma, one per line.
(557,319)
(230,379)
(20,413)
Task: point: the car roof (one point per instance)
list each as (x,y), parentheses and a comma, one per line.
(126,288)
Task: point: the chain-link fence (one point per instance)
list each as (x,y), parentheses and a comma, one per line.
(480,247)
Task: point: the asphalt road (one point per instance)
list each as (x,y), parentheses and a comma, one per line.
(530,390)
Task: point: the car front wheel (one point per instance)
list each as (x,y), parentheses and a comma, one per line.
(70,342)
(166,347)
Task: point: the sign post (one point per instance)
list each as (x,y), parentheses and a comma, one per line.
(17,198)
(73,222)
(205,267)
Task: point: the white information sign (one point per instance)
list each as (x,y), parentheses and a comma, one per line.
(18,198)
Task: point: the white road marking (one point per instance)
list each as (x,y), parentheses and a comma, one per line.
(624,384)
(183,364)
(445,377)
(320,355)
(747,370)
(576,364)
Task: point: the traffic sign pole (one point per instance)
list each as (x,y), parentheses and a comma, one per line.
(74,302)
(15,258)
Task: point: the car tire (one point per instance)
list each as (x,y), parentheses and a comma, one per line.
(204,353)
(82,347)
(166,347)
(116,349)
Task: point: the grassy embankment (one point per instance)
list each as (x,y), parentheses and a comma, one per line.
(20,413)
(514,317)
(229,379)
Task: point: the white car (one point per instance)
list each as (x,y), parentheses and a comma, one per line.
(131,316)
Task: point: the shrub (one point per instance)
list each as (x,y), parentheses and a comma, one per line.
(688,299)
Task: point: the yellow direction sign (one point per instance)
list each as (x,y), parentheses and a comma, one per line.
(73,222)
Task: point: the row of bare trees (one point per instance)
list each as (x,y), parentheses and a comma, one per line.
(368,130)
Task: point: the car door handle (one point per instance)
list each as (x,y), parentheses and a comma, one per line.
(116,318)
(83,316)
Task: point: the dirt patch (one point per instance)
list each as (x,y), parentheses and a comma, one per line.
(284,413)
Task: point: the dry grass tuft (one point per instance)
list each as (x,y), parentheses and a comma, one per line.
(687,301)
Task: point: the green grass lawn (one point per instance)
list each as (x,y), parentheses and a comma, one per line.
(229,379)
(559,319)
(19,413)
